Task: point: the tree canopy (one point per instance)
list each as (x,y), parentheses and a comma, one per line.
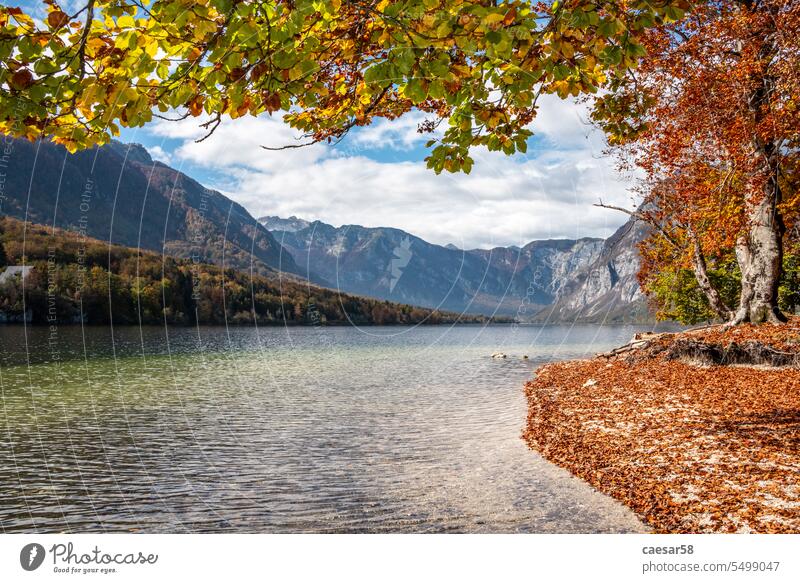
(330,65)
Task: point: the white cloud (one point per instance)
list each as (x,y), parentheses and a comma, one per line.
(238,144)
(158,153)
(505,201)
(565,124)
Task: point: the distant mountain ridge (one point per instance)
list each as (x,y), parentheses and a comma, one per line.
(119,194)
(290,225)
(587,279)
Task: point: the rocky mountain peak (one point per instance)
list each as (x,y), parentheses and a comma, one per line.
(290,225)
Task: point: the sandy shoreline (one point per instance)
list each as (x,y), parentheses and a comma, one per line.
(690,448)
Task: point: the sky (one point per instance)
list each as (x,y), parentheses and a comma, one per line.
(376,177)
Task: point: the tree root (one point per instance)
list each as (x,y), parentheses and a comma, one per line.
(765,314)
(747,353)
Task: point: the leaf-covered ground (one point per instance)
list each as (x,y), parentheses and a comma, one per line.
(689,448)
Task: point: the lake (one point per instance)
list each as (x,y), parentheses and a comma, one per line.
(305,429)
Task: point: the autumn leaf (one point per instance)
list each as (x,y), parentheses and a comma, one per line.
(22,79)
(57,19)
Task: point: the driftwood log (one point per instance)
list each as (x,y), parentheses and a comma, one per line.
(639,342)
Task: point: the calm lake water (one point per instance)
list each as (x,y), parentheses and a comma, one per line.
(379,429)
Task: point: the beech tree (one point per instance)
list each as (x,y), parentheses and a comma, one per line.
(711,116)
(691,231)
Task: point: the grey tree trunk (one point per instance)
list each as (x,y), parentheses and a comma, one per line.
(759,252)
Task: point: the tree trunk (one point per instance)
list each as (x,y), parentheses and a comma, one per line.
(759,252)
(701,275)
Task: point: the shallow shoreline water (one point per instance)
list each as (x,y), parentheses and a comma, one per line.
(381,429)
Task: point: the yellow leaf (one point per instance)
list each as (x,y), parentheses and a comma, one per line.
(493,18)
(151,48)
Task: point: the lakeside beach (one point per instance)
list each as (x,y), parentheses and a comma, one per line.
(681,428)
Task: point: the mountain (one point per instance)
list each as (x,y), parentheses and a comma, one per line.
(560,279)
(117,193)
(605,290)
(389,264)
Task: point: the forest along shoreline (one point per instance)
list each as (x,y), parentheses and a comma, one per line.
(697,431)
